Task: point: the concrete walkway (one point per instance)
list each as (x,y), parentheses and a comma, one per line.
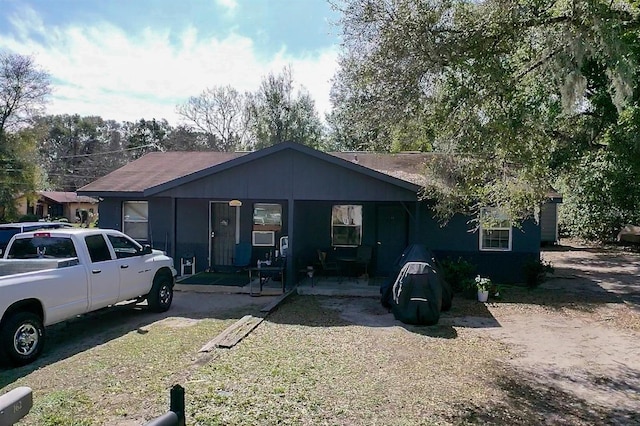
(321,286)
(347,288)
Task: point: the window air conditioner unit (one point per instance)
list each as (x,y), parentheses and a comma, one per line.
(263,238)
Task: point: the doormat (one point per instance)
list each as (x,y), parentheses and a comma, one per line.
(238,279)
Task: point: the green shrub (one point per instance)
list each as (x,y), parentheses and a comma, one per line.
(28,218)
(459,273)
(535,272)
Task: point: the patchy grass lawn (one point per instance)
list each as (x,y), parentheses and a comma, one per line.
(304,364)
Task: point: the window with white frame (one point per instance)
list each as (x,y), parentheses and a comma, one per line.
(135,219)
(346,225)
(495,230)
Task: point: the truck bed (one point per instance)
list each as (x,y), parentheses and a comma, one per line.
(19,266)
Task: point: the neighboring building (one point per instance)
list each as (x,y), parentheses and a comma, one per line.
(549,219)
(206,203)
(55,205)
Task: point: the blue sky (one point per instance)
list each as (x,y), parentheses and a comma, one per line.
(132,59)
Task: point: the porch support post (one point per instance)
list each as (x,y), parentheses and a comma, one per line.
(418,235)
(173,231)
(290,273)
(237,224)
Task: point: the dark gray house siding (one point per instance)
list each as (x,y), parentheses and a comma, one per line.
(161,218)
(110,213)
(192,227)
(457,239)
(307,183)
(287,176)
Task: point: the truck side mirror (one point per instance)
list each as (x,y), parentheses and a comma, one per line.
(146,249)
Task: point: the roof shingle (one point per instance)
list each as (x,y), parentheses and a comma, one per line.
(157,168)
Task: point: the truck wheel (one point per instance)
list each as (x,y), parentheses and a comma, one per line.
(22,337)
(161,294)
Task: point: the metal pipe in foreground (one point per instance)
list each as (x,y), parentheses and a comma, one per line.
(167,419)
(176,415)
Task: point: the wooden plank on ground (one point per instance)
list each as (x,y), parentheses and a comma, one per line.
(271,306)
(234,333)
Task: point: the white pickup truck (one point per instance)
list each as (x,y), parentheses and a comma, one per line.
(49,276)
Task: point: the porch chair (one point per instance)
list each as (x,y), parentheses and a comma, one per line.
(328,266)
(363,258)
(242,256)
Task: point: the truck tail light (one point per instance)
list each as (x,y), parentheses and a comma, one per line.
(42,234)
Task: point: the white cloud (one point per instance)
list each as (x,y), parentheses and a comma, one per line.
(228,4)
(101,70)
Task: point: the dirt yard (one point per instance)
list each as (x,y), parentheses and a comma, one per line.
(580,338)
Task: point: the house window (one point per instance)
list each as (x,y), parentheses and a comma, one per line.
(495,230)
(267,217)
(135,219)
(346,225)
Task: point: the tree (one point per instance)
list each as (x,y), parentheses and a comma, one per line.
(221,113)
(76,150)
(278,115)
(20,173)
(145,136)
(514,92)
(185,138)
(23,91)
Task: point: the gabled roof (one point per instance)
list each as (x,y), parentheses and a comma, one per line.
(160,171)
(66,197)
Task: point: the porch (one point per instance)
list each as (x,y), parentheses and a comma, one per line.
(318,286)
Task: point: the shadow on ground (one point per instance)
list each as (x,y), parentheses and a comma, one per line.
(532,399)
(82,333)
(325,311)
(583,279)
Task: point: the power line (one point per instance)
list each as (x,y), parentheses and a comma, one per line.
(105,152)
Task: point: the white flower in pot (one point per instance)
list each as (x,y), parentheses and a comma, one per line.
(483,285)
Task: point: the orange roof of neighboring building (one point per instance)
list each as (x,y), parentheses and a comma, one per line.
(66,197)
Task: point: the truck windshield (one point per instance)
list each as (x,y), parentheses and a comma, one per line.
(42,248)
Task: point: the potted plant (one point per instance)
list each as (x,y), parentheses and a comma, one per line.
(483,285)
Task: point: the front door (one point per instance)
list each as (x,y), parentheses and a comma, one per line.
(392,236)
(223,234)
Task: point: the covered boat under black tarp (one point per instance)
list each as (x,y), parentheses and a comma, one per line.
(416,290)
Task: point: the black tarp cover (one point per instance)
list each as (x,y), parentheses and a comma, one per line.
(416,259)
(417,299)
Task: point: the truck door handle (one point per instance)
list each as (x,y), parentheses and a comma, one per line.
(96,271)
(124,266)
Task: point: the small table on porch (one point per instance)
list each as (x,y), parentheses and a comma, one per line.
(264,273)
